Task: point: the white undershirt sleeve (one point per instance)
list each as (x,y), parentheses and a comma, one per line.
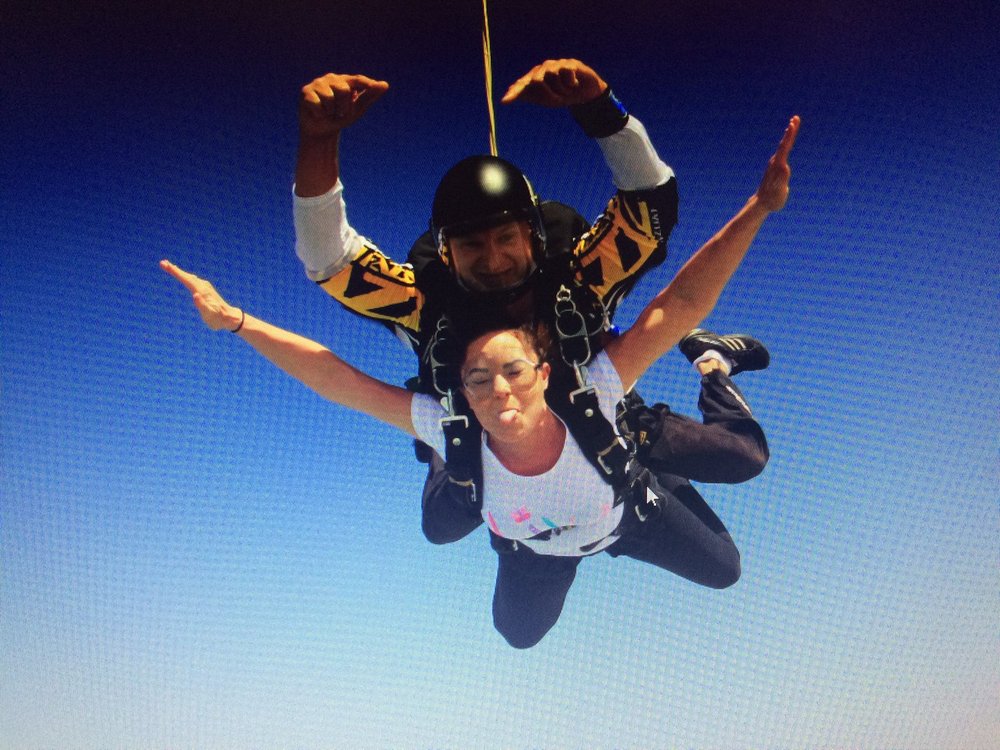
(324,241)
(633,161)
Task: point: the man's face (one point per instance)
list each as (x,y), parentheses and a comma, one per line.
(493,259)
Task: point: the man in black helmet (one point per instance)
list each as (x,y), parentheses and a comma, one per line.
(627,240)
(495,244)
(488,226)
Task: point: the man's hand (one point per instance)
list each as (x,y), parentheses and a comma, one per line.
(333,102)
(557,83)
(773,190)
(215,311)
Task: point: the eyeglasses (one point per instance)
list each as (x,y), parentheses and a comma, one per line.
(520,374)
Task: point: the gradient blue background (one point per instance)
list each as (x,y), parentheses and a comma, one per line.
(198,552)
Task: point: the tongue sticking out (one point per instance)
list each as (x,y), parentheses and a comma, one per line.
(508,416)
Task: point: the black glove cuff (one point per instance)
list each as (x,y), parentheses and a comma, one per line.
(601,117)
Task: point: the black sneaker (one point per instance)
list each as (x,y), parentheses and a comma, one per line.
(745,352)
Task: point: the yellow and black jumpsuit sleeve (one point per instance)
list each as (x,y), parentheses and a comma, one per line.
(377,287)
(626,241)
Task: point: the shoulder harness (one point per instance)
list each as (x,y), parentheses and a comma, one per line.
(580,324)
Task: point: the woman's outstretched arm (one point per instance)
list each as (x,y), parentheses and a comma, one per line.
(305,360)
(690,296)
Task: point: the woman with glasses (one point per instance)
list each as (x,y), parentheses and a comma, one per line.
(542,496)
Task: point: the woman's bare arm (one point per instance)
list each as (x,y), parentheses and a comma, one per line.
(305,360)
(691,295)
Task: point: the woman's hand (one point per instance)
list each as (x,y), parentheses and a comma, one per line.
(773,191)
(215,311)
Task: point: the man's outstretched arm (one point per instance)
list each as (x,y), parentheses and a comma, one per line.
(325,241)
(633,161)
(327,105)
(630,237)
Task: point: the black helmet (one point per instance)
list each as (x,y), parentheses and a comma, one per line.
(481,192)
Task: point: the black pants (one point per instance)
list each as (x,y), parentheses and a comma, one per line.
(729,446)
(685,537)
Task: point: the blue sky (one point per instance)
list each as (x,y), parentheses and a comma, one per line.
(198,552)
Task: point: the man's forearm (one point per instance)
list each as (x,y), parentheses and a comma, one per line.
(317,165)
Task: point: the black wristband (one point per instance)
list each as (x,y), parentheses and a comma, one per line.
(602,116)
(243,319)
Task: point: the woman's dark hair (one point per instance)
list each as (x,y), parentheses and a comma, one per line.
(536,336)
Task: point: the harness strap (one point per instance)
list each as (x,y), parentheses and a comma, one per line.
(575,400)
(595,435)
(574,337)
(582,411)
(462,433)
(645,499)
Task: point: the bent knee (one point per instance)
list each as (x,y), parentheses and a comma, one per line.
(743,463)
(725,576)
(522,643)
(744,453)
(756,452)
(523,632)
(754,461)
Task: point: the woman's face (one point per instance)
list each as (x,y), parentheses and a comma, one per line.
(505,384)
